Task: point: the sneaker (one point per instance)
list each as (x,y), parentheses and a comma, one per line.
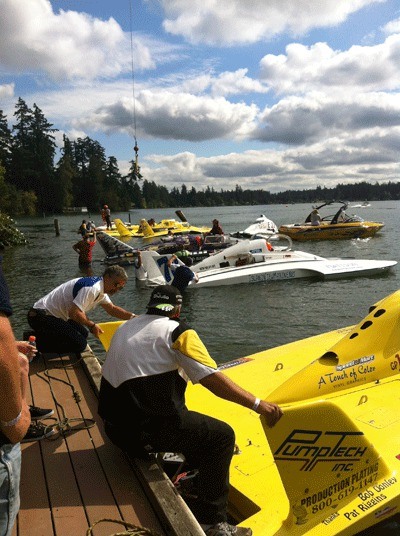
(38,431)
(39,413)
(224,529)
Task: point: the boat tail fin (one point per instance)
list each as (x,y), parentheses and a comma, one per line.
(325,462)
(366,353)
(122,228)
(181,215)
(156,267)
(108,328)
(146,228)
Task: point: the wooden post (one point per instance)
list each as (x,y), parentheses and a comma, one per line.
(57,227)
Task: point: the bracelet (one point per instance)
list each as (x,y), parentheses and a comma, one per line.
(7,424)
(256,404)
(91,327)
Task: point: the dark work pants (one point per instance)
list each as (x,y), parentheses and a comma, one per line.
(57,335)
(207,445)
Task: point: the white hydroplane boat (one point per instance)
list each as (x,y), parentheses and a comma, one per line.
(262,226)
(253,261)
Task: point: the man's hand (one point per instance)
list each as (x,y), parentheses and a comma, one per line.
(270,411)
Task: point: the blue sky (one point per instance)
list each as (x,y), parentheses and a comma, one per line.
(265,94)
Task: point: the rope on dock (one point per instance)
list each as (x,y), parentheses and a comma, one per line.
(65,424)
(134,530)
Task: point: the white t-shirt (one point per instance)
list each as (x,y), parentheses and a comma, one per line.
(84,292)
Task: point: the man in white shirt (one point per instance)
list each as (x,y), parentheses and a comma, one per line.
(142,402)
(60,318)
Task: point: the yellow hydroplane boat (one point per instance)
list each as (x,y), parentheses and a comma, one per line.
(163,228)
(331,464)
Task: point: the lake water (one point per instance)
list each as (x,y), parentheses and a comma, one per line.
(232,321)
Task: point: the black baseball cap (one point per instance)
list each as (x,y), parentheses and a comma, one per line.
(165,298)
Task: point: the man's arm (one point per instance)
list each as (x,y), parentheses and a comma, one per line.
(117,312)
(14,411)
(222,386)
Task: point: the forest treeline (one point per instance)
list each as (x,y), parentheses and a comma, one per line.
(32,182)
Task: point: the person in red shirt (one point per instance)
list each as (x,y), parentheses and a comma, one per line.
(85,249)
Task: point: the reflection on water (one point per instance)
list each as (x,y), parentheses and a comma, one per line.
(232,321)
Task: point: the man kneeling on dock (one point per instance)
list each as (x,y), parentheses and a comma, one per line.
(142,402)
(60,318)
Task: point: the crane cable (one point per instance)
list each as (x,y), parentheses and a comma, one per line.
(136,169)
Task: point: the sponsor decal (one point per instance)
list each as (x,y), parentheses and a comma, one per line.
(234,363)
(354,371)
(276,276)
(312,447)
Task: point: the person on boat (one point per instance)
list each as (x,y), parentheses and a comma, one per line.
(140,271)
(107,217)
(85,250)
(60,318)
(182,272)
(103,215)
(14,416)
(216,229)
(83,228)
(315,217)
(142,402)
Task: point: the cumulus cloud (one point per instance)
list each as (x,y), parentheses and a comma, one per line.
(392,27)
(319,67)
(175,116)
(299,121)
(228,22)
(66,44)
(345,160)
(6,90)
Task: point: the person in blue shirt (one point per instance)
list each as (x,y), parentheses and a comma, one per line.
(182,272)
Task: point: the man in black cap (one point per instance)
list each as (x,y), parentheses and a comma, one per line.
(142,402)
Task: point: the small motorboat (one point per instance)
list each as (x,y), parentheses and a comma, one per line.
(262,225)
(260,261)
(366,204)
(331,464)
(332,227)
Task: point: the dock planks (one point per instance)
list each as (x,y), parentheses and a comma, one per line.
(76,478)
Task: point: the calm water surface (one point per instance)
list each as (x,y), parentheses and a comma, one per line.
(232,321)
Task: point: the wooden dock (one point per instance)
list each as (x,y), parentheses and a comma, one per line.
(78,477)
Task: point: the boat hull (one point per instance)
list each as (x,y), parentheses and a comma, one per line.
(330,465)
(339,231)
(285,270)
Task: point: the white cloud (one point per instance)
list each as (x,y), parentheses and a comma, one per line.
(67,44)
(392,27)
(227,22)
(6,90)
(318,67)
(173,116)
(345,160)
(303,120)
(236,82)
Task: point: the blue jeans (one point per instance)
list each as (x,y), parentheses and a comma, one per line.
(10,473)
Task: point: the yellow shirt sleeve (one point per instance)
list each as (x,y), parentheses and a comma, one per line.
(190,344)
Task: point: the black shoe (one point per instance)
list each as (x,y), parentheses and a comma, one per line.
(224,529)
(38,431)
(39,413)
